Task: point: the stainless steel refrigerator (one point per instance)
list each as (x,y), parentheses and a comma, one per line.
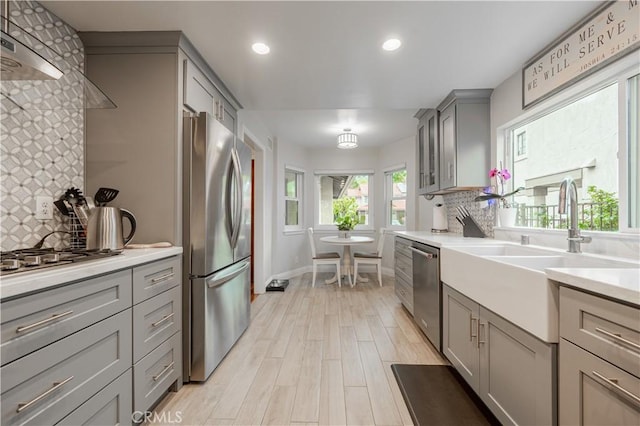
(217,243)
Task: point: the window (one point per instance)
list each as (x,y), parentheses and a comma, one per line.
(521,146)
(396,198)
(331,186)
(586,140)
(293,180)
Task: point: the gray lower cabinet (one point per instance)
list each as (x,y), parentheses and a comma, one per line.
(31,322)
(511,371)
(599,368)
(45,386)
(157,316)
(109,407)
(403,271)
(154,373)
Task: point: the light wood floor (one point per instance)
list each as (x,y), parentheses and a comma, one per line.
(312,356)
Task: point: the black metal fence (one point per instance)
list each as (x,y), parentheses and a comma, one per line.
(591,216)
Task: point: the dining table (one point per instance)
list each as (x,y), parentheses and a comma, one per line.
(346,243)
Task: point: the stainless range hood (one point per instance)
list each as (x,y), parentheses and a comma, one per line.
(25,58)
(19,62)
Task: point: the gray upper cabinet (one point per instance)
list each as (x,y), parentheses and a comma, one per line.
(454,143)
(511,371)
(428,152)
(201,95)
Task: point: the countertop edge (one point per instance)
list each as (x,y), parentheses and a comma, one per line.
(41,280)
(613,287)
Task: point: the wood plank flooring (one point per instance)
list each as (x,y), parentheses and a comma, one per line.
(312,356)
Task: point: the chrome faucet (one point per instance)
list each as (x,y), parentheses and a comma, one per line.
(568,185)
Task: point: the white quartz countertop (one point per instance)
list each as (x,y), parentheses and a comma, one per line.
(620,284)
(39,280)
(440,240)
(616,283)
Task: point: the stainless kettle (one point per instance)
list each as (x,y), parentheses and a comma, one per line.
(104,228)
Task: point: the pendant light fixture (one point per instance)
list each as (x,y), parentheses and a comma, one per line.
(347,140)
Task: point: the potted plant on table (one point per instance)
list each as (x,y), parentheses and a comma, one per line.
(345,214)
(506,211)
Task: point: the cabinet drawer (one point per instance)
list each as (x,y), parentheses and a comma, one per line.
(404,268)
(154,321)
(402,247)
(31,322)
(156,277)
(606,328)
(55,380)
(405,293)
(153,374)
(594,392)
(110,406)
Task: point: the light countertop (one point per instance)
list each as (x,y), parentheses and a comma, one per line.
(444,239)
(39,280)
(619,284)
(616,283)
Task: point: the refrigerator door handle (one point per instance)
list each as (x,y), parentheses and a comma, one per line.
(237,214)
(229,208)
(234,272)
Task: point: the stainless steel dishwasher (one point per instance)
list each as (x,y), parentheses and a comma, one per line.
(427,292)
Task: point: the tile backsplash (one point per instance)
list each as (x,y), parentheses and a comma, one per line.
(483,214)
(42,146)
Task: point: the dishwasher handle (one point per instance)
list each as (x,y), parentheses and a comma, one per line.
(422,253)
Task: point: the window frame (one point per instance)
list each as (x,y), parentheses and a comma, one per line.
(517,155)
(299,199)
(389,198)
(618,72)
(371,198)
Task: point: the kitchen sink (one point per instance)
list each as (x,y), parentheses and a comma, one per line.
(541,263)
(510,280)
(505,250)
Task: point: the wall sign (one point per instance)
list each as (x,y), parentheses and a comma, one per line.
(607,34)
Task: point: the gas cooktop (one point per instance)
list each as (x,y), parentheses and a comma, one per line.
(24,260)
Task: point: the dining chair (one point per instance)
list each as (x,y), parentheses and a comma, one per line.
(370,259)
(331,258)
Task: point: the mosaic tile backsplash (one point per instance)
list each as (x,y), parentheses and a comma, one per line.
(42,145)
(484,215)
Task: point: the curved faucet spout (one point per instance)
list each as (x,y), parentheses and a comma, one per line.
(568,200)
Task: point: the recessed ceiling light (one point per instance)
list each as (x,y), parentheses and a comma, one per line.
(260,48)
(391,44)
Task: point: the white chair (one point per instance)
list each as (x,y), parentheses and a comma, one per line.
(370,259)
(323,259)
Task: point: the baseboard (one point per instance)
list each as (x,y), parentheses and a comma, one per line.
(292,273)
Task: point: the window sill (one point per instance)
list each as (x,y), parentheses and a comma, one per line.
(293,231)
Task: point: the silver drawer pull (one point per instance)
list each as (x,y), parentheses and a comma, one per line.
(163,319)
(164,370)
(471,327)
(163,278)
(618,338)
(480,335)
(422,253)
(56,385)
(53,317)
(613,385)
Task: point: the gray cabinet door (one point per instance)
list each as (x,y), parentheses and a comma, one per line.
(516,373)
(459,334)
(155,320)
(199,92)
(432,152)
(594,392)
(447,144)
(421,153)
(110,407)
(32,322)
(45,386)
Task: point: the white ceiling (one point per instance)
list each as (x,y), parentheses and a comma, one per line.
(326,58)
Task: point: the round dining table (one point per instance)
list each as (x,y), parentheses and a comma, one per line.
(346,244)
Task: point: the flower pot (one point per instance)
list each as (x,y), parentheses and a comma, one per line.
(507,216)
(344,234)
